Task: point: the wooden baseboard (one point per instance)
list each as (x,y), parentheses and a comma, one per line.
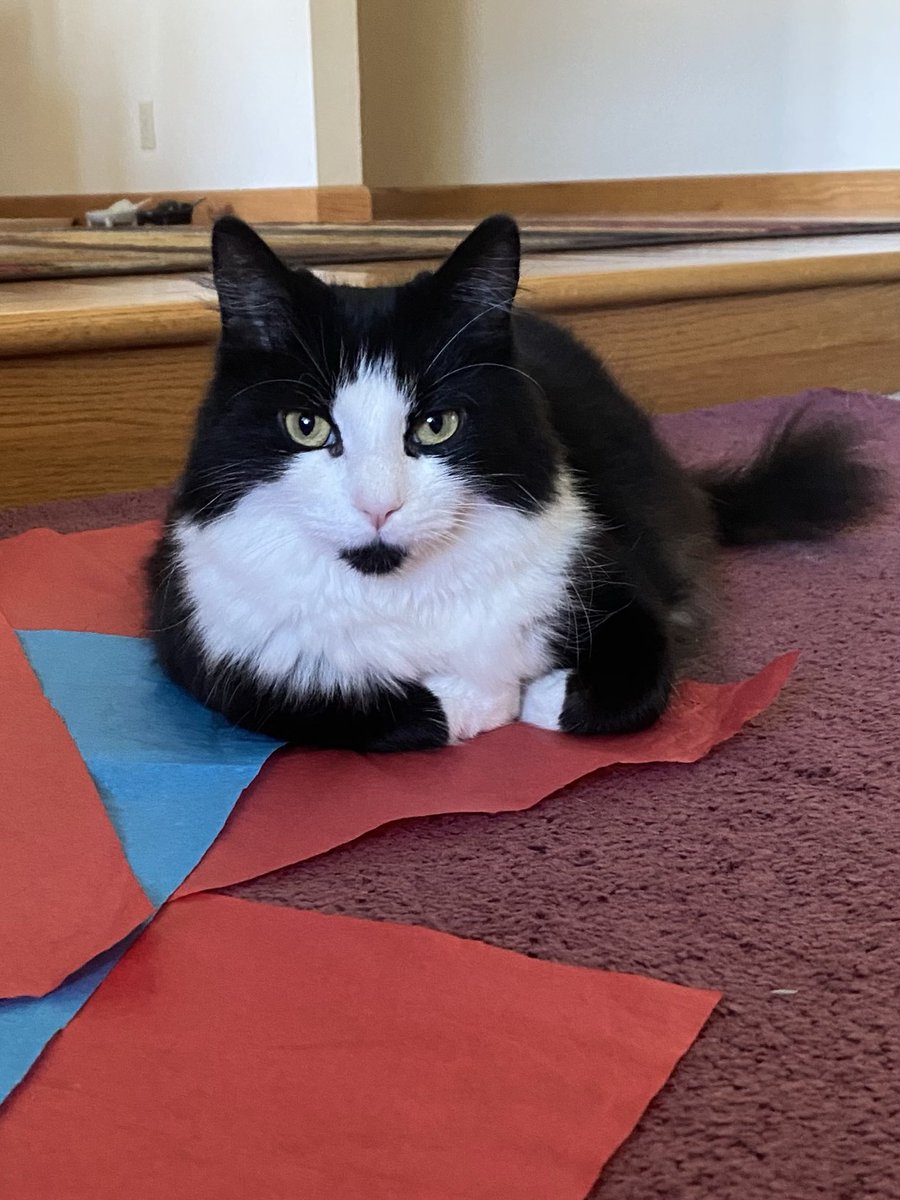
(825,193)
(32,224)
(301,204)
(829,193)
(344,204)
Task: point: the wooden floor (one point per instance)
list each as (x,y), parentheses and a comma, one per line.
(99,378)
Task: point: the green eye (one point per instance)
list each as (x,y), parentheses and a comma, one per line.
(307,430)
(436,428)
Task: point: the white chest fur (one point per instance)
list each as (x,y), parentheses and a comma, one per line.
(471,619)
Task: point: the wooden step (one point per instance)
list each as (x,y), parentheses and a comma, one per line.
(99,377)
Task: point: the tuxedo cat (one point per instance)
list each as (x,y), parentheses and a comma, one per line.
(410,514)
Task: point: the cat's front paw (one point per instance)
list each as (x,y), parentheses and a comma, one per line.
(544,699)
(469,709)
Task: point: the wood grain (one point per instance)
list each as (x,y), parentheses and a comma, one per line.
(99,379)
(352,203)
(845,193)
(21,224)
(84,424)
(685,354)
(658,273)
(105,313)
(345,205)
(97,314)
(834,193)
(811,194)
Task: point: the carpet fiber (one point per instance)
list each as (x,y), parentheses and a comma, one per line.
(770,870)
(70,253)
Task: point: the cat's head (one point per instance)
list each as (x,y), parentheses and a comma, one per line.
(378,419)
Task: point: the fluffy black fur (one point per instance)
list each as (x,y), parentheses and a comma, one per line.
(531,399)
(806,483)
(278,325)
(375,559)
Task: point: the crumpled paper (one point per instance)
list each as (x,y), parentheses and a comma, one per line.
(305,802)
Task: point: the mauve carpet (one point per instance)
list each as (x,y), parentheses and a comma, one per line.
(771,869)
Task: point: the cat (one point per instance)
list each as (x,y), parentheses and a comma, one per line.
(412,514)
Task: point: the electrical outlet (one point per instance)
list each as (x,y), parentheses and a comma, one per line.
(147,123)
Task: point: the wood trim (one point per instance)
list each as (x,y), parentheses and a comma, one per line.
(831,193)
(343,205)
(677,282)
(29,224)
(127,413)
(57,316)
(182,320)
(689,353)
(604,279)
(300,204)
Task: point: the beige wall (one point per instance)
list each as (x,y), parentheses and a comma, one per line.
(266,93)
(335,57)
(236,103)
(489,91)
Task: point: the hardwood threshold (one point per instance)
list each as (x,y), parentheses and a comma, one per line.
(117,366)
(141,311)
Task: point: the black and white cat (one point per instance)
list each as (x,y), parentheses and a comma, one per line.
(411,514)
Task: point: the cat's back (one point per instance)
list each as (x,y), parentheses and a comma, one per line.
(608,439)
(591,414)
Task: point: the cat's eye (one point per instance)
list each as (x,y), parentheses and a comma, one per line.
(436,428)
(308,430)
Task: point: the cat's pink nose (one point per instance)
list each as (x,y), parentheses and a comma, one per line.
(378,514)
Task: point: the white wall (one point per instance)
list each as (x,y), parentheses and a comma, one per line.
(231,82)
(264,93)
(490,91)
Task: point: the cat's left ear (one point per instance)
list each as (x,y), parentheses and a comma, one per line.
(482,273)
(258,294)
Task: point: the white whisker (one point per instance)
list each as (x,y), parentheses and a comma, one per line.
(449,342)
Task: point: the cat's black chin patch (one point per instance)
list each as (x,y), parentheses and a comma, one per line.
(374,559)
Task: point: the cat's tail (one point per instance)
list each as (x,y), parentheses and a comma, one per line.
(807,482)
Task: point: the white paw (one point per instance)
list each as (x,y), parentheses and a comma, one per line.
(543,702)
(470,709)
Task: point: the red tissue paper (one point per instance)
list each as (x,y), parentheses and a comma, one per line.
(66,890)
(243,1050)
(304,802)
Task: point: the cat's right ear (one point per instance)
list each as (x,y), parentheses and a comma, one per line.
(257,292)
(482,273)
